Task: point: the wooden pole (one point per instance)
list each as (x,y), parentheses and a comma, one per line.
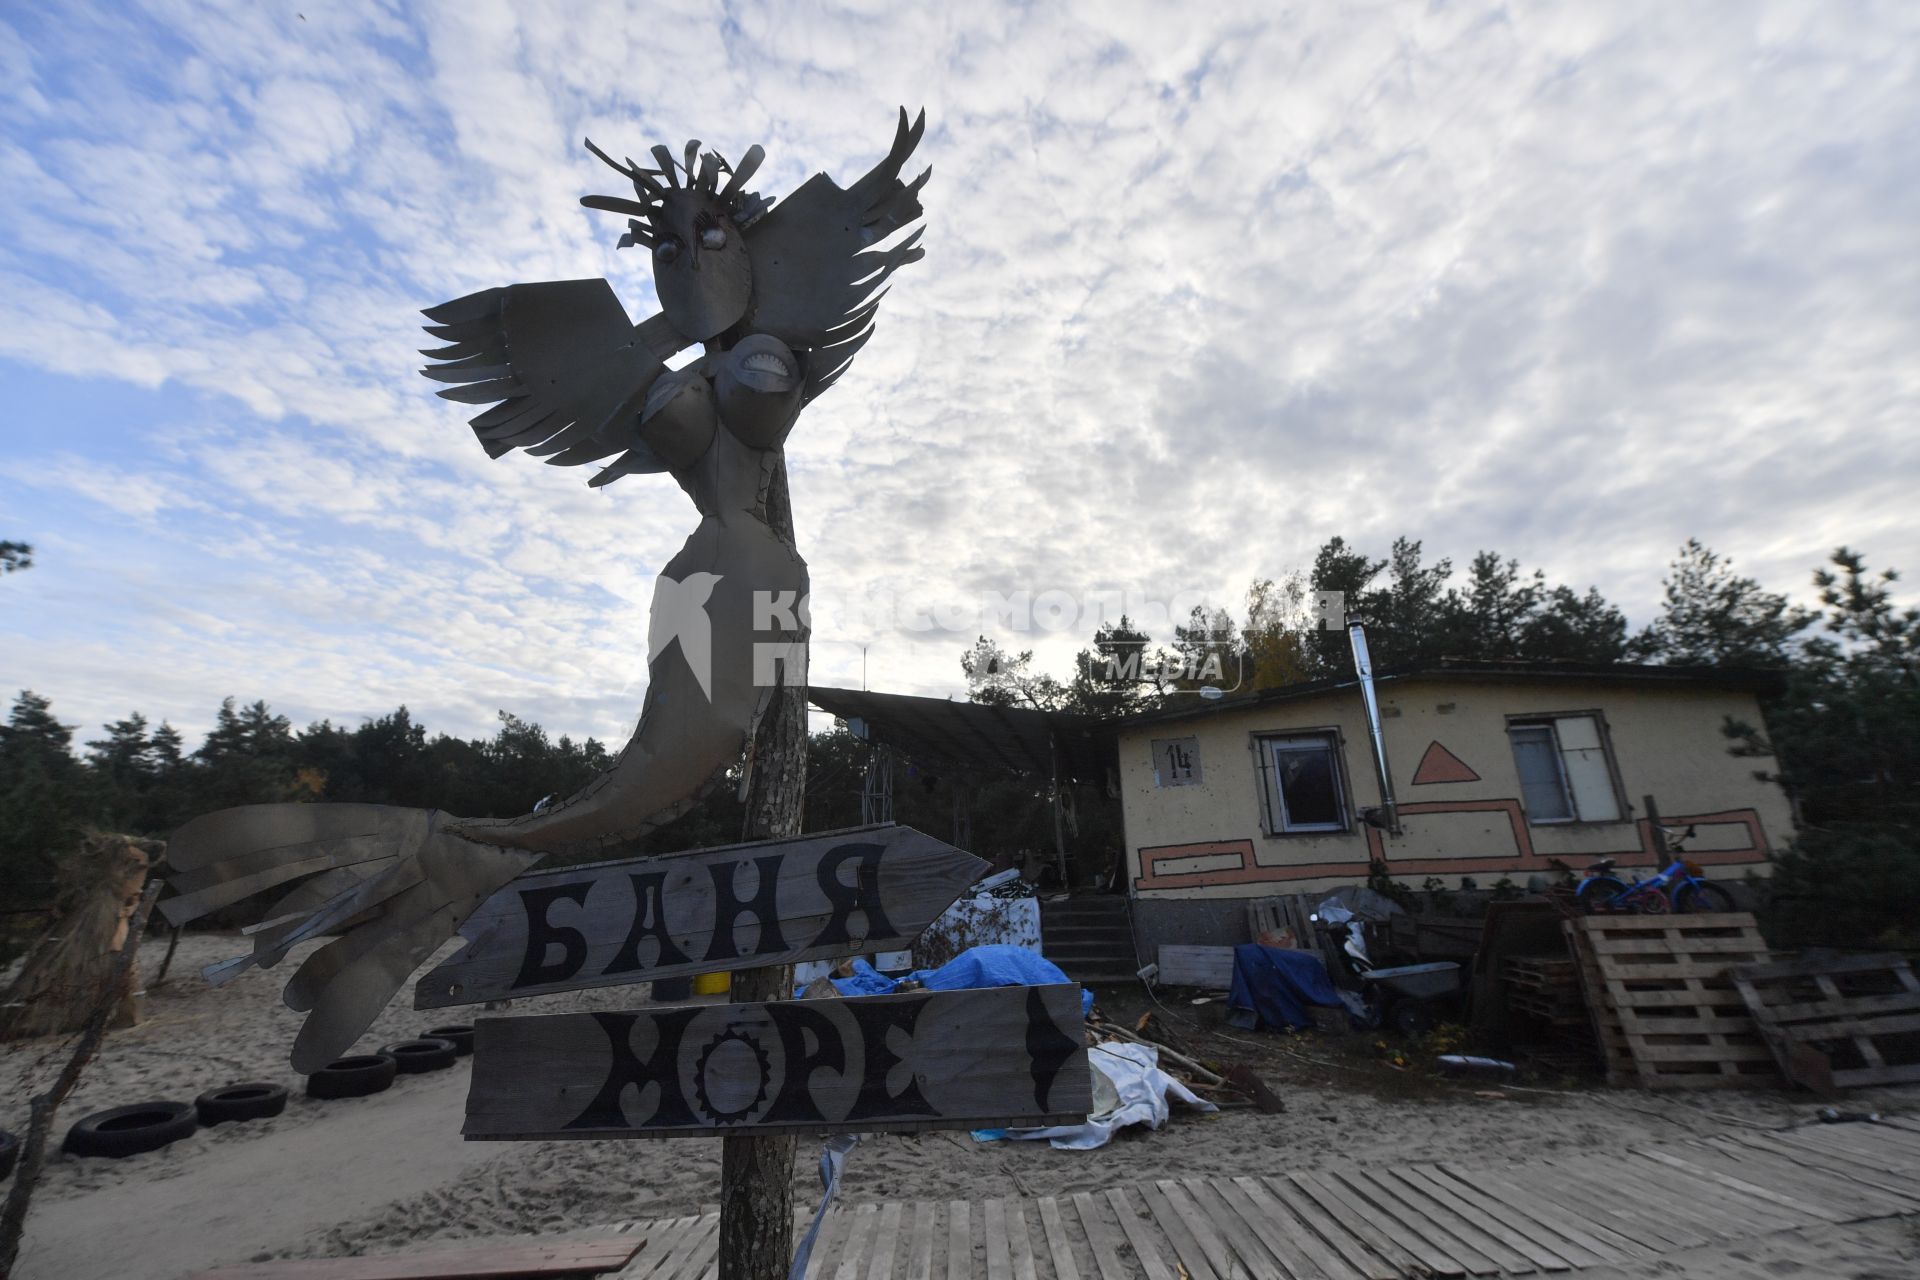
(756,1174)
(45,1106)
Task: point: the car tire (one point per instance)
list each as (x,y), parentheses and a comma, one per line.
(118,1132)
(240,1102)
(459,1035)
(417,1056)
(354,1077)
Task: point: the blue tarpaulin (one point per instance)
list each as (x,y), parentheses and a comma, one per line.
(1275,986)
(998,965)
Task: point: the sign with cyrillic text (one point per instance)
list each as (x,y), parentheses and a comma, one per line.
(993,1056)
(768,903)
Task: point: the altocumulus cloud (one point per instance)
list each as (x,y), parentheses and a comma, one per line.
(1575,282)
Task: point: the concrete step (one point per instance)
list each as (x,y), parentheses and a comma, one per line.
(1119,932)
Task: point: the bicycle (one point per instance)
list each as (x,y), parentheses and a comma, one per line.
(1680,888)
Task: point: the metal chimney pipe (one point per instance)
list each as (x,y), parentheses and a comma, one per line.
(1363,667)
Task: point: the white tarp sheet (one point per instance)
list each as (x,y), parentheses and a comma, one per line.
(1128,1088)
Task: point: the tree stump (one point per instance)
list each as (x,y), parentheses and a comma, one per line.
(68,967)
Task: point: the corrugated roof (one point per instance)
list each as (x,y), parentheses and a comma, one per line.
(972,735)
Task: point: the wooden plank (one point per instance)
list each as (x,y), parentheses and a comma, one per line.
(959,1240)
(1885,1138)
(1000,1056)
(1413,1236)
(1830,1174)
(1187,1250)
(1139,1235)
(1101,1238)
(885,1242)
(1272,1229)
(832,1238)
(704,1262)
(1716,1207)
(999,1252)
(1798,1174)
(1857,1029)
(1844,1007)
(1700,1169)
(1434,1227)
(1515,1250)
(1869,962)
(1623,1205)
(1811,1145)
(859,1242)
(1503,1196)
(1196,966)
(920,1243)
(1742,945)
(1059,1247)
(1019,1245)
(1212,1244)
(558,1258)
(1256,1260)
(1276,1223)
(771,902)
(1705,970)
(659,1237)
(703,1242)
(1350,1246)
(1382,1235)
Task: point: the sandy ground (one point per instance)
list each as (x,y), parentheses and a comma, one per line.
(391,1171)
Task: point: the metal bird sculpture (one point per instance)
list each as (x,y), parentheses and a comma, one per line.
(781,297)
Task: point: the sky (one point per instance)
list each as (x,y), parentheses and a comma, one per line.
(1203,288)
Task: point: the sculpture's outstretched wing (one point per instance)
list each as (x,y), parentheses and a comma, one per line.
(386,879)
(815,271)
(568,370)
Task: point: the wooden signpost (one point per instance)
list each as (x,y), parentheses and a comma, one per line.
(771,902)
(920,1060)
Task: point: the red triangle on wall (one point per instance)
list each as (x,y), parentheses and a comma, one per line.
(1441,765)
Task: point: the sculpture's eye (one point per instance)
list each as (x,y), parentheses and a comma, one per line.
(713,238)
(667,250)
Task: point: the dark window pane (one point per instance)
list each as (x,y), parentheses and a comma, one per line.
(1307,784)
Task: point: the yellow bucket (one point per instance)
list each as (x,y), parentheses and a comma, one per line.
(712,984)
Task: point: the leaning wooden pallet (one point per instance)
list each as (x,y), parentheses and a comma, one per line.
(1616,1060)
(1658,990)
(1836,1022)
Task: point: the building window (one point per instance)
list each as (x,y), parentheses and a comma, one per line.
(1565,773)
(1176,762)
(1301,783)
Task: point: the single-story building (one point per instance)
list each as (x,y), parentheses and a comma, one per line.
(1498,771)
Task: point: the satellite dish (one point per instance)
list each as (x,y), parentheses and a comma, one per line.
(1211,693)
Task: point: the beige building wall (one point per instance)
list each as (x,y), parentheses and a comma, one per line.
(1457,786)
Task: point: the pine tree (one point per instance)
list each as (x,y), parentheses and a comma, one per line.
(1712,616)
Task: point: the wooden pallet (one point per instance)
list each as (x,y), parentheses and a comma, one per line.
(1556,1010)
(1543,973)
(1663,1010)
(1836,1022)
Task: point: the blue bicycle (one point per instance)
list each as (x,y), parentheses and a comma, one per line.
(1680,888)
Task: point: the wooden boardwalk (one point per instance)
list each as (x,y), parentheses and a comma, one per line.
(1365,1223)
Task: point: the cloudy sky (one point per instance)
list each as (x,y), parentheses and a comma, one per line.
(1573,281)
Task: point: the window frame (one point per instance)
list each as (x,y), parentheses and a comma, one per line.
(1546,720)
(1273,801)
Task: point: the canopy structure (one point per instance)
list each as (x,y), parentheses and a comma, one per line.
(972,735)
